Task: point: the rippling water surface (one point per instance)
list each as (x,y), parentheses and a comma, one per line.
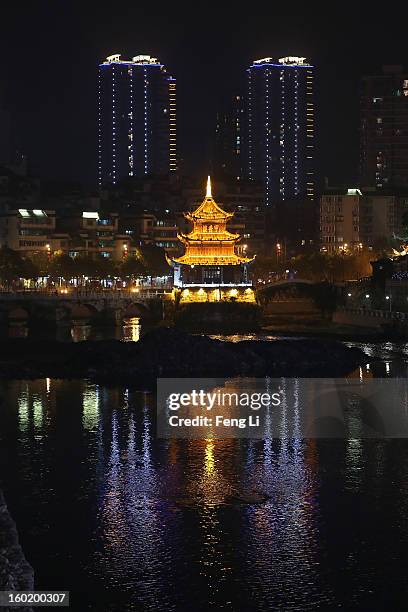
(129,522)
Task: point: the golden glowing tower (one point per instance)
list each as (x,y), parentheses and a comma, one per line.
(210,247)
(209,242)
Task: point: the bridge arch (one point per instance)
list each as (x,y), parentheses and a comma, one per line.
(81,310)
(135,309)
(288,288)
(322,296)
(18,312)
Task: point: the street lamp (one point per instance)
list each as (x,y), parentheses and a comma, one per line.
(389,299)
(367,304)
(278,251)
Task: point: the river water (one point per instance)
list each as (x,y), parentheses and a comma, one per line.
(127,522)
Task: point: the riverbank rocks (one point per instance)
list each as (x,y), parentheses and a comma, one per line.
(16,574)
(170,352)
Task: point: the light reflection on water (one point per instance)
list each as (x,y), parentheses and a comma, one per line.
(389,358)
(78,331)
(127,522)
(129,331)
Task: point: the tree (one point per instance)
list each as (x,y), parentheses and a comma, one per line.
(12,266)
(132,267)
(62,266)
(313,266)
(42,262)
(154,261)
(30,270)
(325,297)
(105,267)
(265,265)
(85,266)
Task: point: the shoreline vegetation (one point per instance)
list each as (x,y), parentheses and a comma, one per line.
(169,353)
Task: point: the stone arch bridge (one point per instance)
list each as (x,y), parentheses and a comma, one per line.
(290,288)
(293,296)
(102,306)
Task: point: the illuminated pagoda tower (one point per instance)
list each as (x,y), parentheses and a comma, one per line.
(210,261)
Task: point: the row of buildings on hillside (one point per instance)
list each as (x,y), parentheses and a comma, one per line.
(108,234)
(352,219)
(113,223)
(208,264)
(151,211)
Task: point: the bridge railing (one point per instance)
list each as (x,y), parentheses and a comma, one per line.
(378,314)
(286,282)
(78,294)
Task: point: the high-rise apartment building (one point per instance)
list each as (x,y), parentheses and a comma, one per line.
(137,131)
(230,140)
(281,130)
(384,129)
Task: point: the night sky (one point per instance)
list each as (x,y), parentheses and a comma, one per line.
(50,51)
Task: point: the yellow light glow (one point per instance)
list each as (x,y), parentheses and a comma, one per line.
(209,461)
(208,194)
(209,242)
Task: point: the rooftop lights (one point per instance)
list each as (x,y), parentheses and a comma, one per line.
(292,59)
(137,59)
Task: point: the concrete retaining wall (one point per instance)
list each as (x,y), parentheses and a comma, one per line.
(376,319)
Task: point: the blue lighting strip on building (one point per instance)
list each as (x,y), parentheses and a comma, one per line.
(104,65)
(145,120)
(282,65)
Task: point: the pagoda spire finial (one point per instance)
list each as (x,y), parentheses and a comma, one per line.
(208,194)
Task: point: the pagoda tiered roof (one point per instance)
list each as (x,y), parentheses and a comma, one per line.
(209,242)
(213,235)
(209,211)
